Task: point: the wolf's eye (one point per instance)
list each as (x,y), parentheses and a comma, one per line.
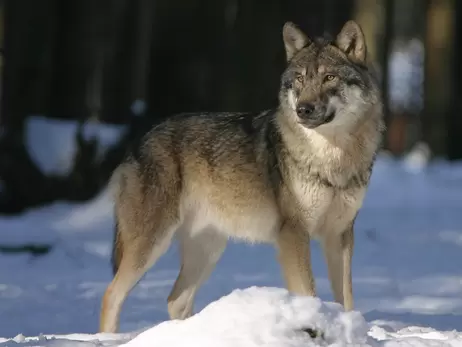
(300,78)
(329,78)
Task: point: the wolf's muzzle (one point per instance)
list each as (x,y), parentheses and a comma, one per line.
(313,116)
(305,109)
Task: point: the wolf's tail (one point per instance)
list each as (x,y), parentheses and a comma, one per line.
(117,249)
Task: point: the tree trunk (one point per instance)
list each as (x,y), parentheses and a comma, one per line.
(454,121)
(438,74)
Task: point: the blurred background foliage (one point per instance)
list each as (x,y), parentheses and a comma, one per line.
(125,64)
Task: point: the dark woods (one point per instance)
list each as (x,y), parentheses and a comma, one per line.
(94,61)
(132,63)
(85,58)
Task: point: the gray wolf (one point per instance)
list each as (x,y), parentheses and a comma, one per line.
(282,176)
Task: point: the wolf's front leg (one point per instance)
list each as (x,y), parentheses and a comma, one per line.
(347,245)
(294,255)
(338,251)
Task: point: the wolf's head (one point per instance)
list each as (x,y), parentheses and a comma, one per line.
(326,84)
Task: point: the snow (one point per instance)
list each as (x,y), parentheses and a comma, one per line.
(406,75)
(51,143)
(417,158)
(260,317)
(138,107)
(406,268)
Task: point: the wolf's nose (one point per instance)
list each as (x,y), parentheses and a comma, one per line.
(305,109)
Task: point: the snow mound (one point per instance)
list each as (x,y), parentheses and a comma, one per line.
(261,317)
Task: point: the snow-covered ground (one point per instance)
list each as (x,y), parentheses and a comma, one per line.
(407,278)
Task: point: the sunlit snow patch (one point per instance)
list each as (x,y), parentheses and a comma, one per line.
(51,143)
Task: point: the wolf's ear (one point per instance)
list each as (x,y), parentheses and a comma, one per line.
(351,41)
(294,39)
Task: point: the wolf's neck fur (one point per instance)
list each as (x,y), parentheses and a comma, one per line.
(337,156)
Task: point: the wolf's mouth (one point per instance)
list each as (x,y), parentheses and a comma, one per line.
(330,115)
(316,122)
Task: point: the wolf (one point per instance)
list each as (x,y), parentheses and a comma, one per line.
(283,176)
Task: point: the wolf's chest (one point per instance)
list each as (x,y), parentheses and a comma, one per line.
(324,208)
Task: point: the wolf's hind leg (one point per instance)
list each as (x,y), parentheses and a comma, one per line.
(199,255)
(137,257)
(294,255)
